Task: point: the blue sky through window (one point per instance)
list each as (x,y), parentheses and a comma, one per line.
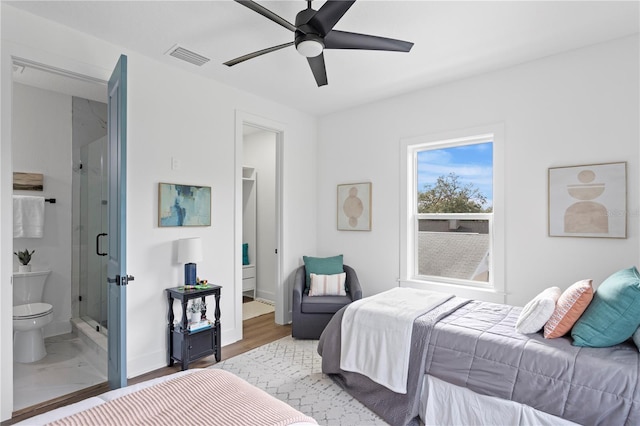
(472,163)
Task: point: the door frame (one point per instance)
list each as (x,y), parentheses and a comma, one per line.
(282,300)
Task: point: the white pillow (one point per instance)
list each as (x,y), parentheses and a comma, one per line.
(537,312)
(328,285)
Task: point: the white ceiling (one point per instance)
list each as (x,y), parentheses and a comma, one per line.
(452,39)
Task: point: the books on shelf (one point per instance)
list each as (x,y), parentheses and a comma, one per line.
(200,325)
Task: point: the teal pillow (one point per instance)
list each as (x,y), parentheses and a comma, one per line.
(614,313)
(245,253)
(322,266)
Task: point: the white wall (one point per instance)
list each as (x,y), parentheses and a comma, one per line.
(171,113)
(42,144)
(260,152)
(581,107)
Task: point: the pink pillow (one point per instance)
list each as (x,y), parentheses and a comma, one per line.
(571,304)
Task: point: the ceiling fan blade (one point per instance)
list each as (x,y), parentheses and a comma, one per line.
(267,13)
(319,70)
(329,14)
(345,40)
(256,54)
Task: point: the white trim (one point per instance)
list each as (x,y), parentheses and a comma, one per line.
(408,187)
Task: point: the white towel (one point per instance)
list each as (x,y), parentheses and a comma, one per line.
(28,216)
(376,334)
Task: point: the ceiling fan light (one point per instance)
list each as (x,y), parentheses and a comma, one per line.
(310,47)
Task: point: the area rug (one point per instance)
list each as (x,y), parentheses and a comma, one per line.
(290,370)
(255,308)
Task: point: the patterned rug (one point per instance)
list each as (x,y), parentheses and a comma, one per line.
(255,308)
(291,371)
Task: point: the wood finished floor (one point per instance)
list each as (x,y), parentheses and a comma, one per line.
(256,332)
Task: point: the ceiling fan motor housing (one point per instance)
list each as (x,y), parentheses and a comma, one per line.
(307,40)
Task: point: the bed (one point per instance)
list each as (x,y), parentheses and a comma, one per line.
(468,365)
(196,396)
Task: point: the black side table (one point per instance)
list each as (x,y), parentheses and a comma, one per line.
(186,346)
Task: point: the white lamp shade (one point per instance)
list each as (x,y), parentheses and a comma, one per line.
(190,250)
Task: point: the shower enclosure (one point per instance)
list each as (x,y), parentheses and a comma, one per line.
(93,235)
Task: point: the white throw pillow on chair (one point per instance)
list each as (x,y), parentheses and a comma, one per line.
(328,285)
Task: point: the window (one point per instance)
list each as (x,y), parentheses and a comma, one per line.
(453,210)
(450,209)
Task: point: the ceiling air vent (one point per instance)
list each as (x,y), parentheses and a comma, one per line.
(187,55)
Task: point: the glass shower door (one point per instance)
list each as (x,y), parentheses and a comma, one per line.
(93,238)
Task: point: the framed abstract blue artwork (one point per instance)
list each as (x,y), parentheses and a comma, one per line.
(184,205)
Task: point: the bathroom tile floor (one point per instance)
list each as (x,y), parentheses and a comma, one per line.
(66,368)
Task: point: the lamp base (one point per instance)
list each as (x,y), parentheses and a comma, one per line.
(189,273)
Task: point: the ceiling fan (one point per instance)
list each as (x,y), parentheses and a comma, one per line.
(314,32)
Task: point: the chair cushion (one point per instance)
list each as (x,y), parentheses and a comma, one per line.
(321,266)
(323,304)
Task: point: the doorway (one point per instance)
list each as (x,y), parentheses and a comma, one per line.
(259,221)
(66,244)
(260,141)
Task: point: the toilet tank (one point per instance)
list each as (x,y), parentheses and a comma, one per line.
(28,286)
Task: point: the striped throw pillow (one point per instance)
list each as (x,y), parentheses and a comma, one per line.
(328,285)
(573,302)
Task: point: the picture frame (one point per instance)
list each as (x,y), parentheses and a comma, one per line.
(183,205)
(588,201)
(354,206)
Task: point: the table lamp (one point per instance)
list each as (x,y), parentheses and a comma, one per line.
(189,252)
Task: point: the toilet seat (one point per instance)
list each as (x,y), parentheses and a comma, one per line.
(31,311)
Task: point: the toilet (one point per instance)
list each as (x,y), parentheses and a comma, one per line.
(30,315)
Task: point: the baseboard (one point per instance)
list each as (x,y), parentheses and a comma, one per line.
(266,295)
(158,359)
(146,363)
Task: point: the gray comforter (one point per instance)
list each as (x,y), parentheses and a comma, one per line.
(394,408)
(476,346)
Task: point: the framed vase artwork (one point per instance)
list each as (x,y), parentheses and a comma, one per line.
(354,207)
(183,205)
(588,201)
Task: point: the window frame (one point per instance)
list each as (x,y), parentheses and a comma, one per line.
(494,289)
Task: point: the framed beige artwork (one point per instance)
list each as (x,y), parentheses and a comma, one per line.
(588,201)
(354,207)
